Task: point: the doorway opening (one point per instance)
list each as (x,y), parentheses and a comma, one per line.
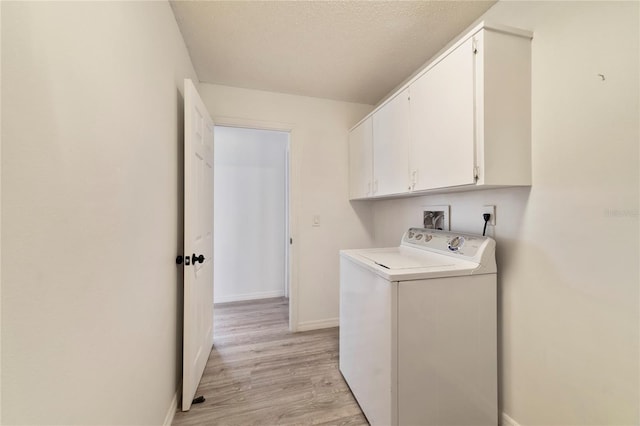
(251,256)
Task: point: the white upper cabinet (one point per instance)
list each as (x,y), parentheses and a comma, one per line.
(503,108)
(361,160)
(442,122)
(462,123)
(391,146)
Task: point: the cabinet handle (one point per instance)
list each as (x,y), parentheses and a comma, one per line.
(375,186)
(369,188)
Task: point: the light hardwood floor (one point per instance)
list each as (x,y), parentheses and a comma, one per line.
(261,374)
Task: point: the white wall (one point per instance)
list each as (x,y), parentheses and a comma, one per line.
(249,213)
(0,222)
(91,198)
(568,246)
(319,187)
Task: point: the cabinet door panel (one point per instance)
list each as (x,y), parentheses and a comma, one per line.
(360,160)
(442,122)
(391,146)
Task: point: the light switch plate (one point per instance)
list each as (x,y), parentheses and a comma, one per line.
(316,220)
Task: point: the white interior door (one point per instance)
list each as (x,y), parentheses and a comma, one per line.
(198,241)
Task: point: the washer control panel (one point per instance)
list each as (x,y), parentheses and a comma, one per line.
(447,242)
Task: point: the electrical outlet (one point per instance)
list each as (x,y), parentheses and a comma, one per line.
(492,211)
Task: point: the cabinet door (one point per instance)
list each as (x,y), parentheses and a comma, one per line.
(361,160)
(442,123)
(391,146)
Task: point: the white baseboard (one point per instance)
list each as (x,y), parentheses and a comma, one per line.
(317,325)
(505,420)
(248,296)
(171,412)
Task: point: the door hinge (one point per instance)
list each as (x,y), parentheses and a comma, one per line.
(290,240)
(476,173)
(474,46)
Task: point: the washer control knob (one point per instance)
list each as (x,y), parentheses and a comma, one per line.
(456,243)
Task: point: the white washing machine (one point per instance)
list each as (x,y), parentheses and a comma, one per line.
(418,329)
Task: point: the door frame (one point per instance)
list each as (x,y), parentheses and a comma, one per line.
(292,195)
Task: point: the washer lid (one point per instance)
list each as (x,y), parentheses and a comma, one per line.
(408,263)
(394,259)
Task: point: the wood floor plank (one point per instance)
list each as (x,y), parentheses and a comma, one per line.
(259,373)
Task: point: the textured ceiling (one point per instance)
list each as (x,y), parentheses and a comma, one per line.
(355,51)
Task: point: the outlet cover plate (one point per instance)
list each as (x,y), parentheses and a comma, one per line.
(492,211)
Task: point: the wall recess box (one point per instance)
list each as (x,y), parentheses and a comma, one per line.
(435,217)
